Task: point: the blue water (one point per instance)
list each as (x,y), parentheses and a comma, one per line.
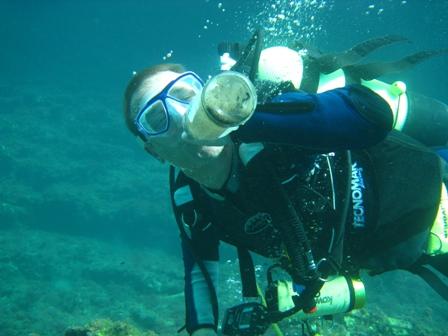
(73,179)
(98,43)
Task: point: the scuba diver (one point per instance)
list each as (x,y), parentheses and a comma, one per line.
(320,183)
(298,67)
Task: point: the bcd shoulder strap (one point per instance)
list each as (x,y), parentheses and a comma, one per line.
(187,240)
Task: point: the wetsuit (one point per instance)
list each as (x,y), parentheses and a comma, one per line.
(395,189)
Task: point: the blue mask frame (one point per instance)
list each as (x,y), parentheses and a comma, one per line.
(162,96)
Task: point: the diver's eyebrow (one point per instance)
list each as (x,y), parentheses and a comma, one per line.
(182,86)
(186,90)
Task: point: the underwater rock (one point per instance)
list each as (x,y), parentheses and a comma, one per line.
(58,156)
(77,331)
(104,327)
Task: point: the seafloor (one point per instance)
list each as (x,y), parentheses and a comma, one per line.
(84,221)
(57,284)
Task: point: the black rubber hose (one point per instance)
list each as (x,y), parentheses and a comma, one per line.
(285,219)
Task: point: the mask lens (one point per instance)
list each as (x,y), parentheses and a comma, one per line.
(185,88)
(176,108)
(155,118)
(170,104)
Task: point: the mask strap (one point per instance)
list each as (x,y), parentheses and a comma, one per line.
(139,138)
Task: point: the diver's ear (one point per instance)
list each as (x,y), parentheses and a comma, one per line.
(149,149)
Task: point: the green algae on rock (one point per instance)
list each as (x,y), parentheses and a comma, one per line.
(104,327)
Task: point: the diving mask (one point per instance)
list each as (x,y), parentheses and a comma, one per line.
(173,101)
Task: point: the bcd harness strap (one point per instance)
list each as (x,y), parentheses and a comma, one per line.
(186,239)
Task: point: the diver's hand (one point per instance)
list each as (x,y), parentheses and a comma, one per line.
(204,332)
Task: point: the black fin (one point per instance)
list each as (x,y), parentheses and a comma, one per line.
(331,62)
(250,56)
(432,280)
(374,70)
(311,51)
(247,273)
(440,263)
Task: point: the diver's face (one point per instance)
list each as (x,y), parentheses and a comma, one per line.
(161,120)
(167,98)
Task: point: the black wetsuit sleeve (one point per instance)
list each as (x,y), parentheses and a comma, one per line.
(199,245)
(351,117)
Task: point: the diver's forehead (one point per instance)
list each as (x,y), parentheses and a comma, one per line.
(158,82)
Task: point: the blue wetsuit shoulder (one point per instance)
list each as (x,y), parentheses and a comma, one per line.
(351,117)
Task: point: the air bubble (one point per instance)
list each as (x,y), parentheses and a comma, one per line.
(287,20)
(168,55)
